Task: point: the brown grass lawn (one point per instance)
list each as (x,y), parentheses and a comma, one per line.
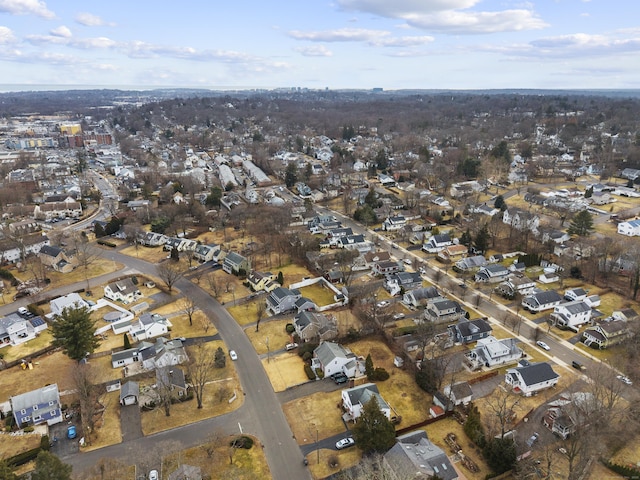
(187,412)
(629,454)
(612,355)
(272,332)
(285,370)
(10,446)
(110,341)
(400,390)
(170,308)
(229,286)
(346,320)
(247,464)
(99,267)
(314,411)
(102,371)
(437,431)
(149,254)
(319,294)
(346,459)
(108,427)
(293,273)
(25,349)
(247,312)
(54,368)
(201,326)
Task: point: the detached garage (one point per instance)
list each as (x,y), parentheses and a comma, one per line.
(129,393)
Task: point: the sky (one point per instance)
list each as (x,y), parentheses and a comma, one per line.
(318,44)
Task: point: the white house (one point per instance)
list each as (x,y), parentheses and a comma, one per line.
(521,219)
(15,330)
(529,378)
(332,358)
(492,274)
(72,300)
(437,243)
(541,301)
(124,291)
(630,228)
(572,314)
(149,325)
(354,399)
(490,352)
(395,222)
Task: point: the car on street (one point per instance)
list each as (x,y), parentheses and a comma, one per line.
(543,345)
(577,365)
(339,378)
(153,475)
(394,245)
(345,443)
(398,316)
(233,355)
(624,379)
(383,304)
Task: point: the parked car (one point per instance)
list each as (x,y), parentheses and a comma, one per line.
(153,475)
(290,346)
(383,304)
(533,439)
(339,378)
(624,379)
(543,345)
(398,316)
(233,355)
(577,365)
(345,443)
(71,432)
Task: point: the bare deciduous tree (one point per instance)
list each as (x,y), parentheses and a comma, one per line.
(200,369)
(169,273)
(188,308)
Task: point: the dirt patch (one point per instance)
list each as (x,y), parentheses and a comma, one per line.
(285,370)
(272,333)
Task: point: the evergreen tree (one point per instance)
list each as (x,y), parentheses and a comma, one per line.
(373,432)
(581,225)
(73,330)
(473,426)
(50,467)
(6,472)
(372,198)
(219,359)
(280,278)
(368,366)
(175,255)
(465,238)
(127,343)
(382,162)
(291,175)
(98,229)
(214,197)
(499,203)
(481,242)
(500,454)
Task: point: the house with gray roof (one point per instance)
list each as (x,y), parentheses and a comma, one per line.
(492,274)
(541,301)
(206,253)
(124,291)
(234,263)
(491,352)
(55,258)
(312,326)
(529,378)
(354,399)
(470,263)
(282,299)
(332,358)
(129,393)
(37,406)
(469,331)
(572,314)
(149,325)
(172,378)
(15,330)
(443,310)
(402,282)
(415,456)
(72,300)
(420,297)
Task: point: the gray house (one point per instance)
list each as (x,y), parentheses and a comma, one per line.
(129,393)
(414,456)
(282,300)
(234,263)
(37,406)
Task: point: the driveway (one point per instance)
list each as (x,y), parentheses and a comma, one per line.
(130,422)
(63,446)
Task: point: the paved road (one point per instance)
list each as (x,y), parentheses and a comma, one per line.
(261,413)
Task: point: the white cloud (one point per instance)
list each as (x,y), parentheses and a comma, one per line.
(6,36)
(315,51)
(26,7)
(402,41)
(450,16)
(339,35)
(61,31)
(90,20)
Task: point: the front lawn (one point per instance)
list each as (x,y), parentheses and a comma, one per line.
(271,337)
(285,370)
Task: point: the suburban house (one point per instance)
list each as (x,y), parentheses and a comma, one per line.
(443,310)
(304,304)
(124,291)
(172,378)
(126,357)
(469,331)
(163,353)
(282,300)
(37,406)
(630,228)
(541,301)
(556,236)
(129,393)
(568,411)
(206,253)
(72,300)
(484,209)
(395,222)
(399,282)
(573,294)
(626,314)
(470,263)
(452,253)
(517,285)
(186,472)
(492,274)
(420,297)
(15,330)
(323,223)
(529,378)
(437,243)
(414,456)
(152,239)
(336,233)
(259,280)
(179,244)
(55,258)
(333,358)
(571,315)
(491,352)
(315,326)
(605,334)
(234,263)
(521,219)
(149,325)
(459,393)
(12,251)
(354,399)
(386,267)
(371,258)
(354,242)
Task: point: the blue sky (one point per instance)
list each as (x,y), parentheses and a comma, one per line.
(393,44)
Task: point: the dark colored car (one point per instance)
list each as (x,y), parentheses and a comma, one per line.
(340,378)
(577,365)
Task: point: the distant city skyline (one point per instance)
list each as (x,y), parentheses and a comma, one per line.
(340,44)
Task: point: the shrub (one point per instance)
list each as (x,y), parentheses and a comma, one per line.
(379,374)
(310,373)
(290,328)
(23,457)
(333,461)
(106,243)
(243,441)
(319,373)
(45,443)
(624,470)
(307,356)
(28,429)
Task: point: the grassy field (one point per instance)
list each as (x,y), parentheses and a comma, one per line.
(10,446)
(247,312)
(272,332)
(284,370)
(318,294)
(319,411)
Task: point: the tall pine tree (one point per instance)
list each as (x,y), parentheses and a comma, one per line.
(73,330)
(373,432)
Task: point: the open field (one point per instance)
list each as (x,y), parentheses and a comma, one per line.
(272,332)
(285,370)
(148,254)
(99,267)
(53,368)
(201,326)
